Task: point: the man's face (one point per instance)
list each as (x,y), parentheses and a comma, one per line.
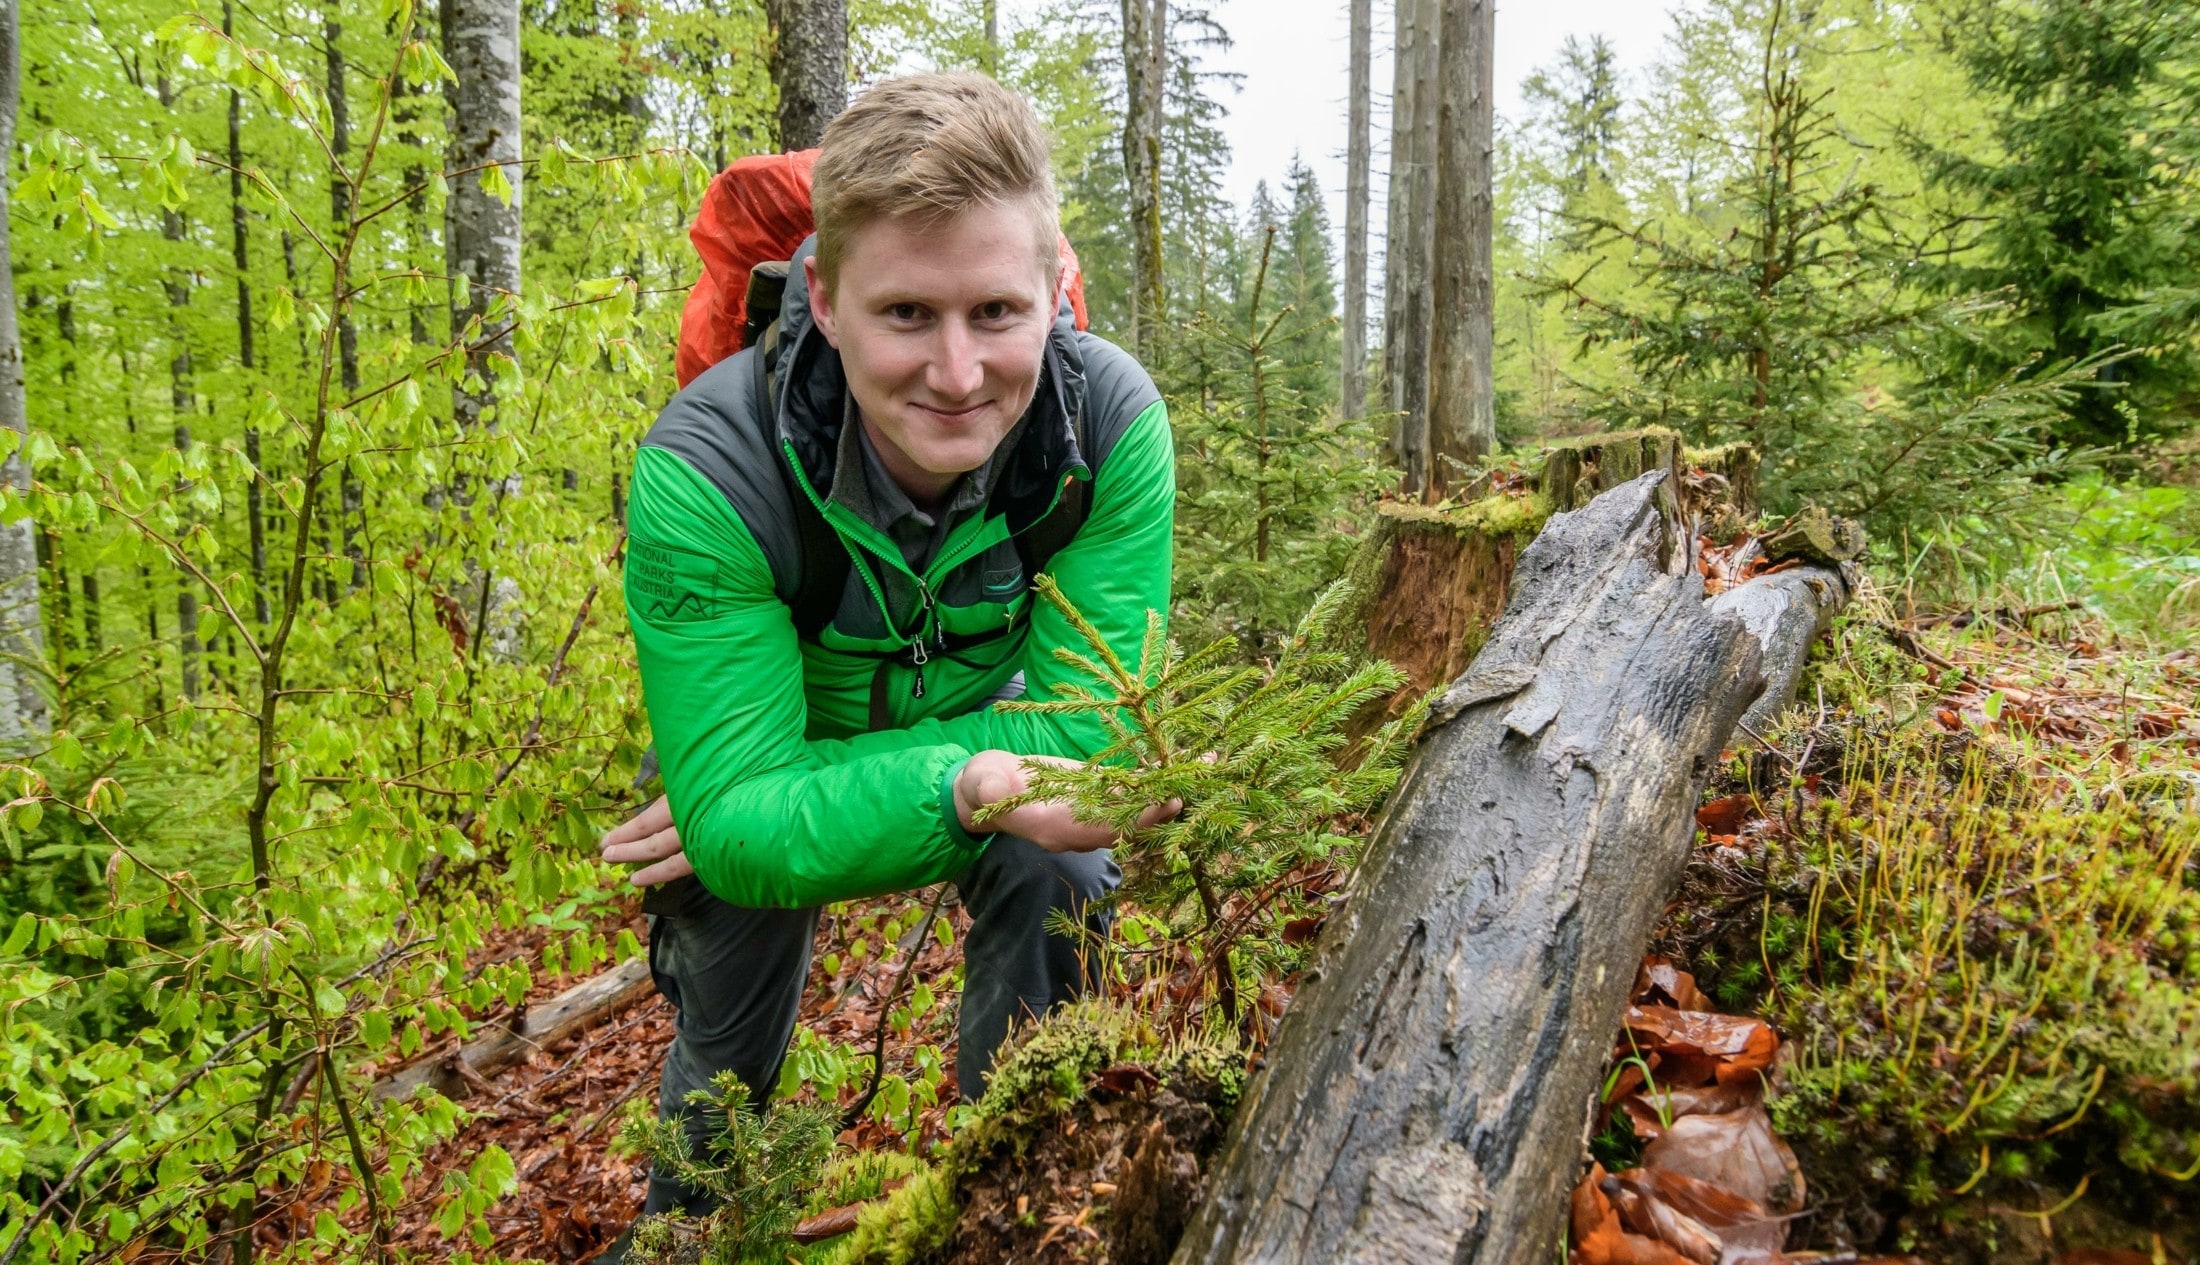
(940,329)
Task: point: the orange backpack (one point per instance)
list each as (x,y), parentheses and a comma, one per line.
(755,214)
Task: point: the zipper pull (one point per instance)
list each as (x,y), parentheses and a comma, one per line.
(917,659)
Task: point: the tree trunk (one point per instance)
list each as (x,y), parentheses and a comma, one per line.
(347,333)
(182,401)
(1462,418)
(481,42)
(255,506)
(1429,1090)
(22,703)
(993,37)
(1409,243)
(1145,81)
(810,66)
(1353,378)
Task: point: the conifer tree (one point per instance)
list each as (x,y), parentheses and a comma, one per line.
(2086,203)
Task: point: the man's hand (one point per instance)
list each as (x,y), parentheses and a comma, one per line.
(650,837)
(991,776)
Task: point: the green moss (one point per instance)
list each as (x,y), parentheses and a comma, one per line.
(1046,1072)
(1037,1080)
(1970,963)
(909,1226)
(1519,514)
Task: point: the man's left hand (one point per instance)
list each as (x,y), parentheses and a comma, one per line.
(651,837)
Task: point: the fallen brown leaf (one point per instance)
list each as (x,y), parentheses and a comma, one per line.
(1724,816)
(1735,1151)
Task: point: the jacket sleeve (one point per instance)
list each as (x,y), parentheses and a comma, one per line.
(1113,571)
(766,818)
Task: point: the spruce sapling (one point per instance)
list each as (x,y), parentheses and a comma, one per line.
(759,1169)
(1260,755)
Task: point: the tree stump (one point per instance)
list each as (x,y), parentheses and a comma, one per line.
(1430,1089)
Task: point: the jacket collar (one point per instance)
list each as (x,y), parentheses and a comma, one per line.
(812,407)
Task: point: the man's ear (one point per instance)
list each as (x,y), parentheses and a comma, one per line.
(821,301)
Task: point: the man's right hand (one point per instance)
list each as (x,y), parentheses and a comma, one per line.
(650,836)
(991,776)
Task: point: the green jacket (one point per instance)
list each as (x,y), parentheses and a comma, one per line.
(810,769)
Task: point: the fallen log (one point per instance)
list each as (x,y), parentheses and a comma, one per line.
(578,1007)
(1429,1091)
(1785,611)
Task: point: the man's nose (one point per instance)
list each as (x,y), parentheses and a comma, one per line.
(955,372)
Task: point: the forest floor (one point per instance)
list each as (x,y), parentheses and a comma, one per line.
(2051,695)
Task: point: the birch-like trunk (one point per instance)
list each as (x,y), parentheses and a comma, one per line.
(810,66)
(1410,244)
(1462,418)
(22,703)
(481,42)
(1145,78)
(1354,376)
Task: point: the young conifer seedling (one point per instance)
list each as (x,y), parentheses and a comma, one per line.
(759,1168)
(1260,755)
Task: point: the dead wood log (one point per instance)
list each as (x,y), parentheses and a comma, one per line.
(1785,611)
(1429,1091)
(578,1007)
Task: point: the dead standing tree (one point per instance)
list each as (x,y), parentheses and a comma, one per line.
(1409,238)
(1353,379)
(1437,329)
(1429,1091)
(1462,399)
(1145,80)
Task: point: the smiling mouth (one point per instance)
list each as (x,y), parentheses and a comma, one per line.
(953,415)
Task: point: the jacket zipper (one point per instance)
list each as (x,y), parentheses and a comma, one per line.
(928,608)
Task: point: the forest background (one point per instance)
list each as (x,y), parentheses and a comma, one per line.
(323,680)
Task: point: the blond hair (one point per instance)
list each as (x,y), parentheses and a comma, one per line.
(931,147)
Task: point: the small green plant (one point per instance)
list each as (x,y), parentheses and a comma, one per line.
(1259,755)
(759,1170)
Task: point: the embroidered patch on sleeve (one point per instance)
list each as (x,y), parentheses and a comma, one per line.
(671,586)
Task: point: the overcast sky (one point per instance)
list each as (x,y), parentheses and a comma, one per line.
(1292,55)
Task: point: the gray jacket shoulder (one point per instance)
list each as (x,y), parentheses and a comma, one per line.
(717,426)
(1117,390)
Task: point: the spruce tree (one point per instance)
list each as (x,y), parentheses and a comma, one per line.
(2086,204)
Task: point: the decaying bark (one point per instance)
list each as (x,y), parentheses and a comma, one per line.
(580,1006)
(1429,1091)
(1785,611)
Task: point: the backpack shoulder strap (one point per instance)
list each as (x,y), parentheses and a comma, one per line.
(1037,544)
(821,561)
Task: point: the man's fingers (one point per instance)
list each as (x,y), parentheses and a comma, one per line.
(654,848)
(651,820)
(672,867)
(1159,813)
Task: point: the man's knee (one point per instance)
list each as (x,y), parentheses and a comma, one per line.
(1018,871)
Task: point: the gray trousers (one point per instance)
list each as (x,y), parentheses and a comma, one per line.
(736,976)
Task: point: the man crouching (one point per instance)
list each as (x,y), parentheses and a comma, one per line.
(832,541)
